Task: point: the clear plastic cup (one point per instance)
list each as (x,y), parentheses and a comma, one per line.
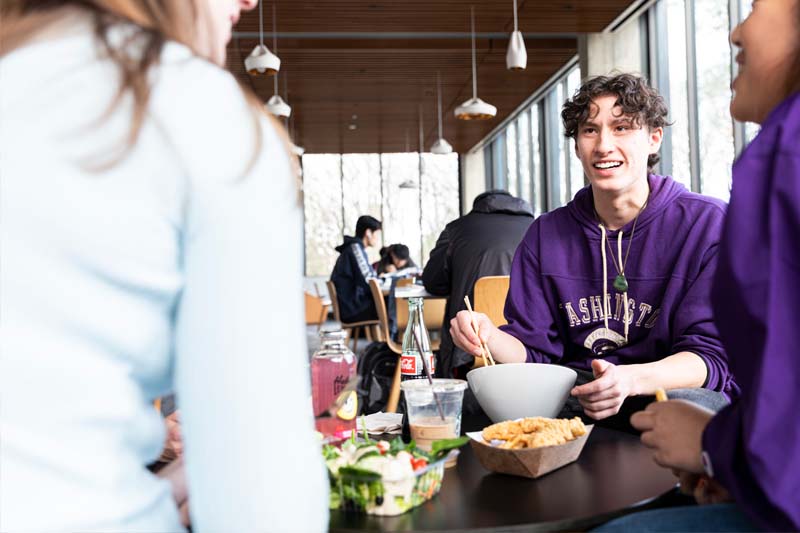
(424,417)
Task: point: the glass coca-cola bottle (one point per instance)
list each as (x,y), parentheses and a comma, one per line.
(333,367)
(411,366)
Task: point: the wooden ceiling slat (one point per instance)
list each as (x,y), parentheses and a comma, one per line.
(436,15)
(383,81)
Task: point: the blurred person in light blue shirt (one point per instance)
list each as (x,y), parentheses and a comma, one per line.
(143,200)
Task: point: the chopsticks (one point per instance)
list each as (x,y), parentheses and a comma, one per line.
(487,354)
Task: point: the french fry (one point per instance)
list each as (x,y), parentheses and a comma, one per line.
(661,395)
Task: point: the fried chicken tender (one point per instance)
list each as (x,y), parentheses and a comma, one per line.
(535,432)
(502,431)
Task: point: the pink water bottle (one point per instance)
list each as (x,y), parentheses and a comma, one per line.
(332,368)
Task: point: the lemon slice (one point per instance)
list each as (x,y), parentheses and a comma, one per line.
(349,408)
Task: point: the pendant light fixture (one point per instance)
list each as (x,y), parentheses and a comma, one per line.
(516,55)
(475,108)
(276,105)
(441,146)
(262,62)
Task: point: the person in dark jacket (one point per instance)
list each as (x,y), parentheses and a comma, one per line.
(352,272)
(481,243)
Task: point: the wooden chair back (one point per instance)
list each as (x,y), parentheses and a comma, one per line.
(434,309)
(316,309)
(383,315)
(383,325)
(334,300)
(490,297)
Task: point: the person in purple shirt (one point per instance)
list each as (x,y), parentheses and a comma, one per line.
(749,452)
(616,284)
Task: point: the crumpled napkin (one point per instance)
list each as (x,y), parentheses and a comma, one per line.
(378,423)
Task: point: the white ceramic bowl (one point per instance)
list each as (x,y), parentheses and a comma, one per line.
(518,390)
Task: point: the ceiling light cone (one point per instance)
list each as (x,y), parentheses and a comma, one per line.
(475,109)
(278,107)
(516,55)
(441,147)
(262,62)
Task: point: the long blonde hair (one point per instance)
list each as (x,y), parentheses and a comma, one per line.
(158,21)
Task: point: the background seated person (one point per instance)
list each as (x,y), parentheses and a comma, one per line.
(394,258)
(480,243)
(617,283)
(353,270)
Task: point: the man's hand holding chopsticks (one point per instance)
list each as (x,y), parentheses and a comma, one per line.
(464,335)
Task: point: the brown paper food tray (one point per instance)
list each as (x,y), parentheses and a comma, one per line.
(529,462)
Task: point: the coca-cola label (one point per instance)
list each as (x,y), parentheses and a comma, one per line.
(408,365)
(411,365)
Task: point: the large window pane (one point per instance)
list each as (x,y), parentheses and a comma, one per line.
(362,188)
(511,159)
(576,178)
(524,155)
(713,97)
(439,197)
(401,213)
(322,188)
(499,169)
(678,90)
(384,186)
(561,168)
(537,196)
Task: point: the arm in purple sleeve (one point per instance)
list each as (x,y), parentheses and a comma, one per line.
(694,328)
(754,444)
(529,318)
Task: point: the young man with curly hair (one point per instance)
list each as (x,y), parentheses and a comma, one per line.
(616,284)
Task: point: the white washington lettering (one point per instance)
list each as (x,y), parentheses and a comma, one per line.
(590,310)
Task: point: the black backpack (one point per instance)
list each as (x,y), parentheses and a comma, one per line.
(376,367)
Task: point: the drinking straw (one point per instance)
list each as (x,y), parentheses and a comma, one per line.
(427,368)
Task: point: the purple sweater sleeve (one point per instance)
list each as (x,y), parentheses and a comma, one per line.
(693,324)
(529,318)
(754,444)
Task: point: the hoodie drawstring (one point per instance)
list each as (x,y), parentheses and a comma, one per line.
(622,270)
(606,309)
(605,273)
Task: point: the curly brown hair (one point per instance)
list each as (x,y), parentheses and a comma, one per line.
(635,96)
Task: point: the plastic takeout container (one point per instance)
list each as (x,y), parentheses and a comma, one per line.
(387,497)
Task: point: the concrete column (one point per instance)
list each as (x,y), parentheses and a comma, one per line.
(620,51)
(473,182)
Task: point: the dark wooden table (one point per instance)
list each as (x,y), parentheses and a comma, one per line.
(614,475)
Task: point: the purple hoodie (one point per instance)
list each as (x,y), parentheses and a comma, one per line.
(754,444)
(555,301)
